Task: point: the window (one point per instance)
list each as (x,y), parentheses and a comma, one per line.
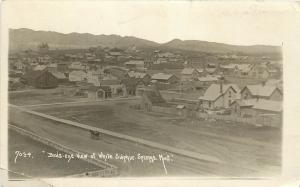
(246,96)
(235,108)
(209,104)
(229,93)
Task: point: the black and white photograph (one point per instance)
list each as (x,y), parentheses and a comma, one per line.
(157,89)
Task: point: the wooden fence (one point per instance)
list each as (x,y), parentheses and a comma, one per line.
(200,115)
(225,118)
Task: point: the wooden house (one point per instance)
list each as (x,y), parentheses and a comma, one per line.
(219,96)
(165,78)
(268,92)
(189,74)
(99,92)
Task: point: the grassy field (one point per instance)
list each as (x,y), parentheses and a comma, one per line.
(40,96)
(247,146)
(39,165)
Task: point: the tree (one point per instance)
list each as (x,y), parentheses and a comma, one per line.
(43,47)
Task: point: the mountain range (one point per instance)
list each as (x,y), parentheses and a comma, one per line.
(21,39)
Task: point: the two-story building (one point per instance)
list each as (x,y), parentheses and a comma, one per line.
(219,96)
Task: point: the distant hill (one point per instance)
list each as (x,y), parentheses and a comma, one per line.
(26,38)
(212,47)
(21,39)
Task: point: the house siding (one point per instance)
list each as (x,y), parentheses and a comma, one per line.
(221,102)
(276,96)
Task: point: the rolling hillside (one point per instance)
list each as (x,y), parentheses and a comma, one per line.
(21,39)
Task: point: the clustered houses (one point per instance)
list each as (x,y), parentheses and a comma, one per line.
(102,72)
(260,102)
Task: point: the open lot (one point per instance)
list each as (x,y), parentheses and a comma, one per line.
(38,164)
(41,96)
(245,146)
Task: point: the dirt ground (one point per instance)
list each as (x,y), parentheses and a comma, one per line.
(39,96)
(246,146)
(38,164)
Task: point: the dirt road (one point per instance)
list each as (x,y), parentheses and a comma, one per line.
(80,140)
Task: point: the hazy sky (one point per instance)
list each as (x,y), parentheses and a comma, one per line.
(239,23)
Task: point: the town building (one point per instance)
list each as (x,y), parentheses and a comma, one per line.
(115,86)
(165,78)
(219,96)
(99,92)
(135,65)
(189,74)
(61,77)
(40,79)
(264,112)
(261,92)
(144,77)
(76,76)
(151,97)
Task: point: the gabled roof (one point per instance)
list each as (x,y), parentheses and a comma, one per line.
(52,65)
(188,71)
(260,90)
(210,70)
(229,66)
(200,70)
(180,106)
(208,78)
(115,53)
(268,105)
(213,92)
(59,75)
(77,73)
(137,75)
(32,75)
(154,96)
(39,67)
(161,76)
(244,67)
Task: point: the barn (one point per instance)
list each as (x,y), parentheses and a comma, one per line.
(40,79)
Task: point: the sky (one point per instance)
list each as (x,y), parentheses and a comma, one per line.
(159,21)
